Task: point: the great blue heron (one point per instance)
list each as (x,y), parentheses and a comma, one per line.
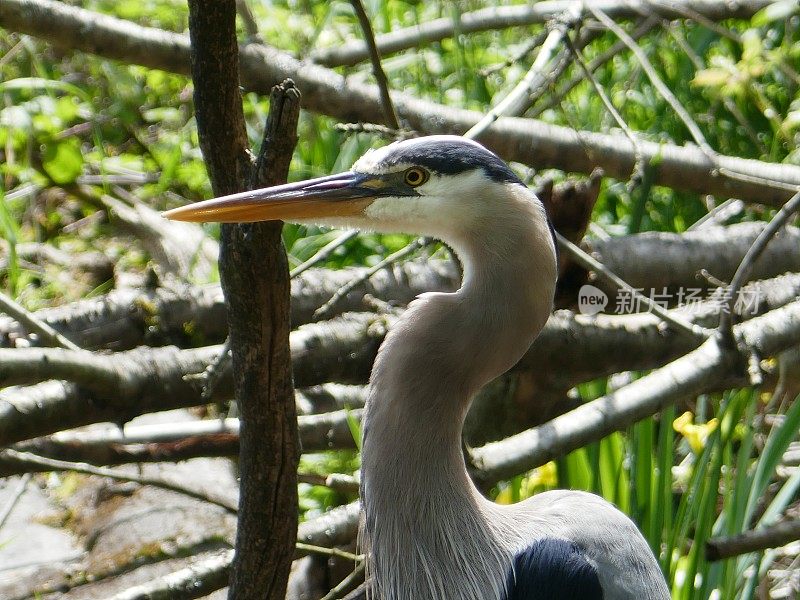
(430,534)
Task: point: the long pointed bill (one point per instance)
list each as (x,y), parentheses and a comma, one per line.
(340,195)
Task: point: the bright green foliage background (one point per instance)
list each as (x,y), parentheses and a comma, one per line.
(65,115)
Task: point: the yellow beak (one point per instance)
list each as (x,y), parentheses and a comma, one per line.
(342,195)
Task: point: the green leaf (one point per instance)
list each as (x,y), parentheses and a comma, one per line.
(752,45)
(63,161)
(715,78)
(777,11)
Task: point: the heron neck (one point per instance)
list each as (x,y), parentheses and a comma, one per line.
(421,506)
(446,347)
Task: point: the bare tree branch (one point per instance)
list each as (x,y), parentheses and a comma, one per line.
(181,441)
(323,253)
(326,310)
(555,98)
(752,541)
(523,140)
(504,17)
(638,168)
(603,272)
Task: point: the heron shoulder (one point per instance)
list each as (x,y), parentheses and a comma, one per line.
(624,563)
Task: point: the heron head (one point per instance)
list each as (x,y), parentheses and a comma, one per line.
(428,186)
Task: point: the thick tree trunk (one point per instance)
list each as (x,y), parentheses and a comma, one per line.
(255,280)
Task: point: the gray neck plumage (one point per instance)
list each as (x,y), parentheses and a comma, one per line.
(425,523)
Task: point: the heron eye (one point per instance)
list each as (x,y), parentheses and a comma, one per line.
(416,176)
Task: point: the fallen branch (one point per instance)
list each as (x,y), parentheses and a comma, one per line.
(337,527)
(523,140)
(181,249)
(753,541)
(166,443)
(649,262)
(570,349)
(34,324)
(178,313)
(655,260)
(602,272)
(195,581)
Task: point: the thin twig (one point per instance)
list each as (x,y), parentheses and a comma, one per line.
(248,20)
(23,485)
(35,325)
(637,172)
(323,253)
(516,99)
(381,130)
(200,578)
(746,266)
(693,15)
(312,549)
(755,179)
(213,372)
(586,261)
(657,82)
(389,112)
(326,308)
(346,583)
(62,465)
(526,49)
(718,214)
(339,482)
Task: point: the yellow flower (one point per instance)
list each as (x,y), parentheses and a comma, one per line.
(696,435)
(545,476)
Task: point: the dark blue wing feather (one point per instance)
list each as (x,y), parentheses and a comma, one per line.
(553,569)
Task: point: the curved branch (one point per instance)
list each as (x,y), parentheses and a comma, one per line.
(522,140)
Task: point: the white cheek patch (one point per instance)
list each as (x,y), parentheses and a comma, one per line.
(395,208)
